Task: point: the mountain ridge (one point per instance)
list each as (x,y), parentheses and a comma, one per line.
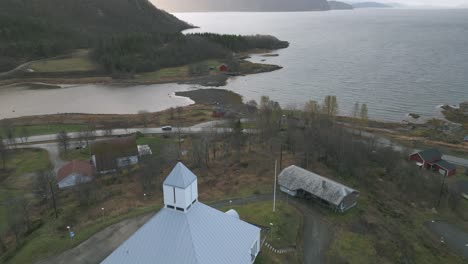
(241,5)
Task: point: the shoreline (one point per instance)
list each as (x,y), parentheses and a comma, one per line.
(213,78)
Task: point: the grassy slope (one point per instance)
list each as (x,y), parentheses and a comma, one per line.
(20,162)
(75,63)
(175,73)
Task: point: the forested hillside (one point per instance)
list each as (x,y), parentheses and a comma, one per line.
(31,29)
(142,52)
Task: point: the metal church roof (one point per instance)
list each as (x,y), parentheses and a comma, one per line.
(180,177)
(295,178)
(203,235)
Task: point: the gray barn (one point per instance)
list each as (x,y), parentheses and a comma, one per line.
(296,181)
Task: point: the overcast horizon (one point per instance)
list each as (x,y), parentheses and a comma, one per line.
(421,3)
(412,3)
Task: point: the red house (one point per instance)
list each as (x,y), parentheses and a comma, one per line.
(445,168)
(426,158)
(223,68)
(432,159)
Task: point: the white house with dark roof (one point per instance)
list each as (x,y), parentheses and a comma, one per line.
(188,231)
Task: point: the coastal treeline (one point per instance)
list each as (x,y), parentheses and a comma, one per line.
(239,43)
(142,52)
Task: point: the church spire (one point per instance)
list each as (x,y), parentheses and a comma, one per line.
(180,188)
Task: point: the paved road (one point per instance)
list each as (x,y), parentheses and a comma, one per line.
(453,236)
(100,245)
(198,128)
(382,141)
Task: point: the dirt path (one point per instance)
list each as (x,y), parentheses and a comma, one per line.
(454,237)
(99,246)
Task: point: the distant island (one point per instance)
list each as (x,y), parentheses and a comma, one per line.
(335,5)
(241,5)
(370,5)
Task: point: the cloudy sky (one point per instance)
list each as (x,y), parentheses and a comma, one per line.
(453,3)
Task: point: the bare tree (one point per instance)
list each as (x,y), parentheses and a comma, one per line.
(237,139)
(3,152)
(144,116)
(45,188)
(171,113)
(108,131)
(356,110)
(84,191)
(89,132)
(151,170)
(330,106)
(364,113)
(24,134)
(63,142)
(9,131)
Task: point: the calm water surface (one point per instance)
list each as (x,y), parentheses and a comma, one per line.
(20,101)
(396,61)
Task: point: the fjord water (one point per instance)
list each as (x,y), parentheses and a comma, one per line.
(397,61)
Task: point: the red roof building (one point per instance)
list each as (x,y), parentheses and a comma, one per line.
(432,159)
(223,68)
(75,172)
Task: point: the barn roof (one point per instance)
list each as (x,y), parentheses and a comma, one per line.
(180,177)
(108,151)
(202,235)
(430,155)
(295,178)
(446,165)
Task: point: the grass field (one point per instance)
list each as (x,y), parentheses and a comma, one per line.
(174,73)
(79,62)
(36,130)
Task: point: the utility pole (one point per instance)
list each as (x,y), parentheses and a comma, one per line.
(441,190)
(53,198)
(274,189)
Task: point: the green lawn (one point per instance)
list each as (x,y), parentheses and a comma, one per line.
(164,73)
(286,223)
(36,130)
(79,63)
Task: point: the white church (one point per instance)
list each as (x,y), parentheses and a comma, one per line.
(187,231)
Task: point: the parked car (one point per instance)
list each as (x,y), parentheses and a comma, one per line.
(166,128)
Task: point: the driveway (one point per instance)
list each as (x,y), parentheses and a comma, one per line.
(52,149)
(100,245)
